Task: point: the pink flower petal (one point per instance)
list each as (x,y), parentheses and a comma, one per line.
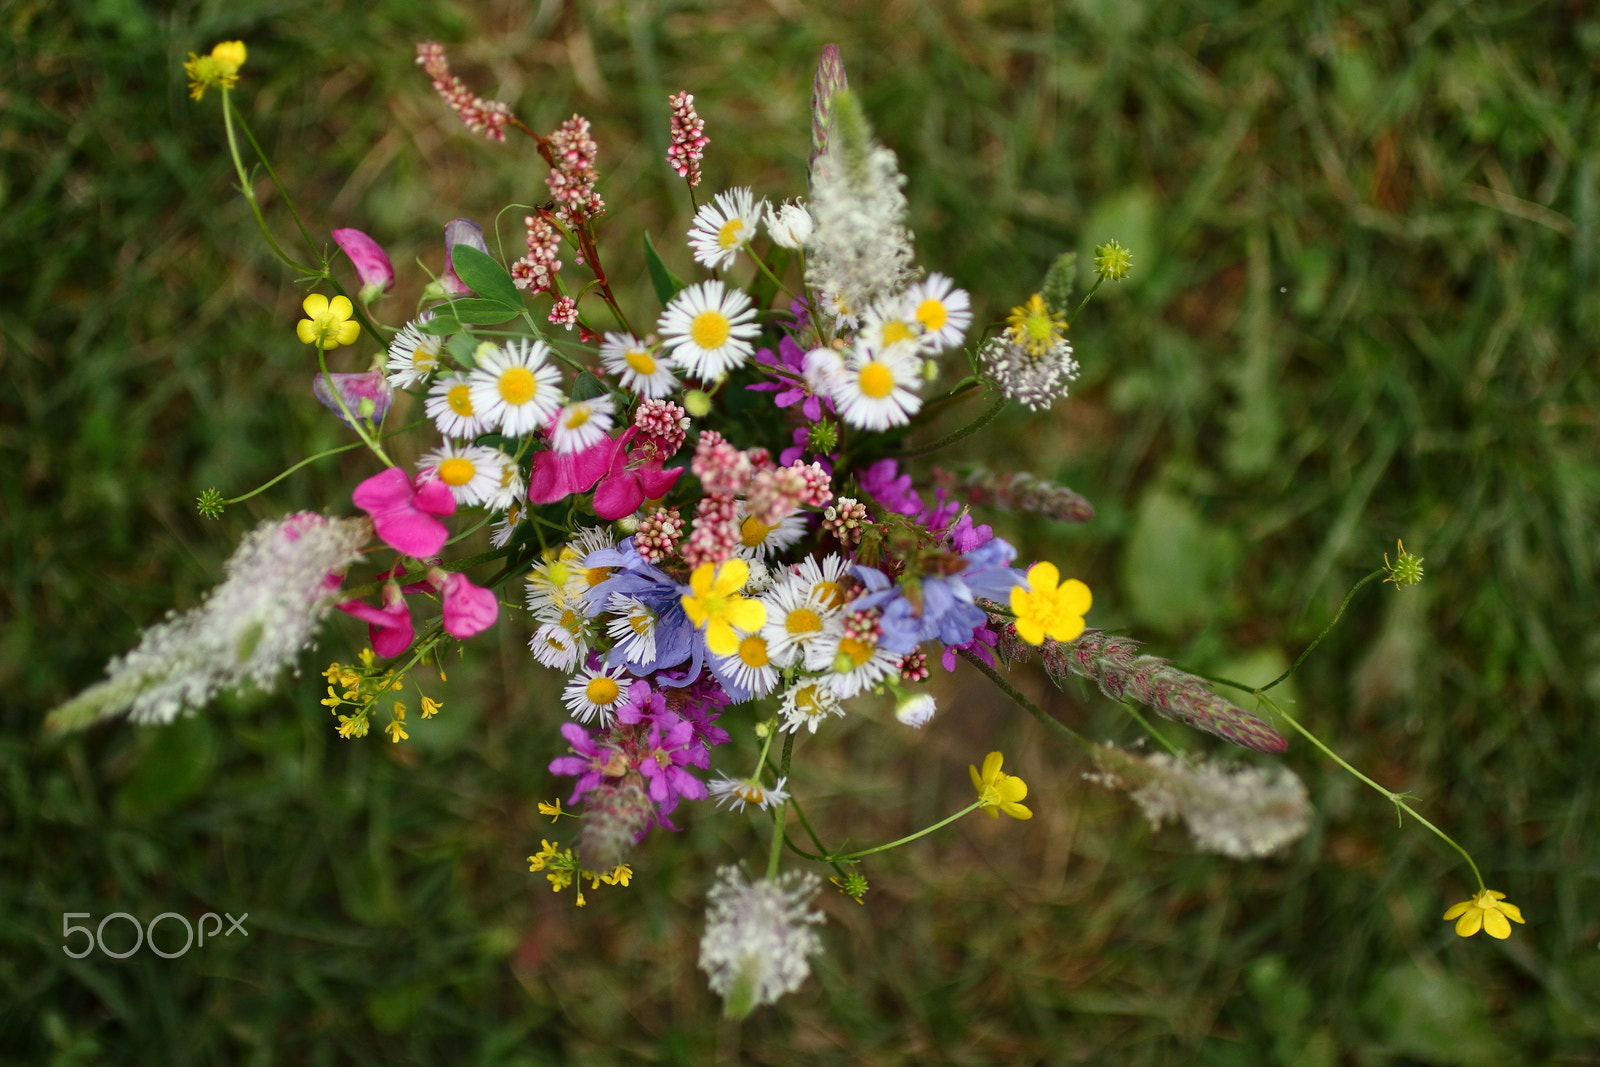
(371,262)
(468,609)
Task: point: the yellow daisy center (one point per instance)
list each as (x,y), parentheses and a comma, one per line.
(460,400)
(576,417)
(601,691)
(752,531)
(877,380)
(802,621)
(518,385)
(751,793)
(829,593)
(858,651)
(456,471)
(753,651)
(710,329)
(895,331)
(806,702)
(932,315)
(595,575)
(640,623)
(728,236)
(641,362)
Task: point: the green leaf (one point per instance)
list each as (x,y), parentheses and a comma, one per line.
(666,283)
(586,387)
(485,276)
(464,347)
(479,312)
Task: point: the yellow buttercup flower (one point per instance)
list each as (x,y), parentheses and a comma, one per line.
(1050,607)
(1487,911)
(329,324)
(550,808)
(999,792)
(714,605)
(220,68)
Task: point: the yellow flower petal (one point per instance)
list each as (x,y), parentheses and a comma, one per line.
(695,610)
(1457,910)
(1512,912)
(1496,926)
(1075,597)
(1017,811)
(1011,788)
(700,580)
(977,783)
(1066,629)
(731,576)
(720,638)
(1030,631)
(306,330)
(1470,922)
(991,766)
(747,614)
(347,332)
(341,306)
(1044,575)
(315,304)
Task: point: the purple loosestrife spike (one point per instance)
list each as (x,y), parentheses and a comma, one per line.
(1114,664)
(830,78)
(615,816)
(371,262)
(457,232)
(1017,491)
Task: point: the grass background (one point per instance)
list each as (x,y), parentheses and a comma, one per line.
(1363,308)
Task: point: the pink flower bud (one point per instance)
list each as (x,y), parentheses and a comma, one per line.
(371,261)
(457,232)
(366,395)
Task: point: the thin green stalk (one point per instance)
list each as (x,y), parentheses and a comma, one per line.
(312,459)
(249,193)
(849,857)
(1086,298)
(266,163)
(1326,629)
(1027,705)
(966,431)
(350,418)
(762,266)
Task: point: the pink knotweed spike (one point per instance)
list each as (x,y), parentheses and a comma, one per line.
(572,172)
(829,79)
(663,425)
(1115,664)
(488,117)
(722,469)
(658,535)
(689,141)
(846,521)
(564,312)
(715,537)
(536,271)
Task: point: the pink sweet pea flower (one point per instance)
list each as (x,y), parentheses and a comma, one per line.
(557,475)
(624,489)
(372,263)
(403,513)
(468,609)
(459,232)
(388,627)
(366,395)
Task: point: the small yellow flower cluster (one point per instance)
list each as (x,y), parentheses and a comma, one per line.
(1034,328)
(357,688)
(560,867)
(219,69)
(551,808)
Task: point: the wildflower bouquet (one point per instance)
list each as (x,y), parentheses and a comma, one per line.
(710,513)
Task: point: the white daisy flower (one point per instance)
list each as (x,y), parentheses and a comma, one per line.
(759,541)
(890,321)
(724,227)
(807,703)
(450,406)
(850,664)
(821,578)
(751,667)
(797,615)
(824,368)
(636,366)
(413,356)
(632,628)
(943,311)
(875,390)
(505,527)
(737,792)
(557,585)
(708,328)
(558,646)
(790,225)
(514,387)
(476,474)
(582,424)
(595,693)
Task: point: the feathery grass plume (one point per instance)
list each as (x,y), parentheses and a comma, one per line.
(758,940)
(860,249)
(1238,811)
(828,80)
(280,582)
(1114,664)
(615,816)
(1017,491)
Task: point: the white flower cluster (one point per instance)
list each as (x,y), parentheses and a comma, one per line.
(280,582)
(758,940)
(1034,381)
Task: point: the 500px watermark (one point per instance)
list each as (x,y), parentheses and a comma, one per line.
(144,934)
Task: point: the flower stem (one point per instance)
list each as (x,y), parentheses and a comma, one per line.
(1027,705)
(971,428)
(355,423)
(1325,630)
(246,189)
(312,459)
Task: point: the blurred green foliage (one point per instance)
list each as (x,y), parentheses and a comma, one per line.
(1363,307)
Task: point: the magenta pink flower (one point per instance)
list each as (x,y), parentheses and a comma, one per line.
(557,475)
(367,395)
(372,263)
(468,609)
(625,487)
(403,513)
(388,627)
